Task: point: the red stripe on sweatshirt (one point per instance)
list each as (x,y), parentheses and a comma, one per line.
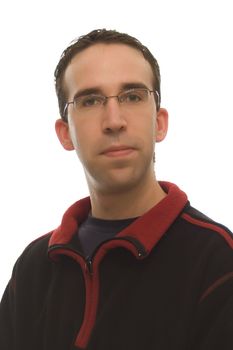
(211,226)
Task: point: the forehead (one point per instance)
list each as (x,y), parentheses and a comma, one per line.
(107,66)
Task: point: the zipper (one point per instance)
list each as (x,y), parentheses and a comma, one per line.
(91,275)
(89,265)
(91,290)
(91,278)
(90,269)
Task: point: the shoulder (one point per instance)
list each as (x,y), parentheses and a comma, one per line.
(31,271)
(211,244)
(37,248)
(34,259)
(206,228)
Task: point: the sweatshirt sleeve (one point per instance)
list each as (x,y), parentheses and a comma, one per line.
(212,326)
(7,317)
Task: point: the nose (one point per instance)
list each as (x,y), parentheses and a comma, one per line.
(113,117)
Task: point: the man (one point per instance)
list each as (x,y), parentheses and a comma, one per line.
(134,266)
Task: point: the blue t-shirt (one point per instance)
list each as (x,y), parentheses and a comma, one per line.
(94,231)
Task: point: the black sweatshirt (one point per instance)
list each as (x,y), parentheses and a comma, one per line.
(164,282)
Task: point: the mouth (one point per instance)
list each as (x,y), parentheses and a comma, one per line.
(118,151)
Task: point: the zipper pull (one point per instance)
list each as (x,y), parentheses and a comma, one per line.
(89,266)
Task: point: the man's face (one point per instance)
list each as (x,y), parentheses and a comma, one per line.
(115,146)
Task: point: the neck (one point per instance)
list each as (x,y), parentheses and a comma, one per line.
(126,204)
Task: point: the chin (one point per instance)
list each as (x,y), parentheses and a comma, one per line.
(118,185)
(121,179)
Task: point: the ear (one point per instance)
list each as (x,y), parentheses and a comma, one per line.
(63,134)
(161,125)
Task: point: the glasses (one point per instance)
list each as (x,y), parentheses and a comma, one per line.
(130,99)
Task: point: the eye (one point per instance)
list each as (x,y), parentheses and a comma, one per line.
(89,101)
(133,96)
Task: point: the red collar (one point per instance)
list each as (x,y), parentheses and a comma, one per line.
(148,229)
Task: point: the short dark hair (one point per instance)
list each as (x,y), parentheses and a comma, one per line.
(100,36)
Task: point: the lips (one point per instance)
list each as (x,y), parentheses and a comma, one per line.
(118,151)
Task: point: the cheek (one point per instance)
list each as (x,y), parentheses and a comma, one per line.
(83,136)
(74,135)
(154,125)
(77,131)
(147,127)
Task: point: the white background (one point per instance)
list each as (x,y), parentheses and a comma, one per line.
(192,41)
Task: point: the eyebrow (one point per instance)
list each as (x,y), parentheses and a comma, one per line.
(129,86)
(97,90)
